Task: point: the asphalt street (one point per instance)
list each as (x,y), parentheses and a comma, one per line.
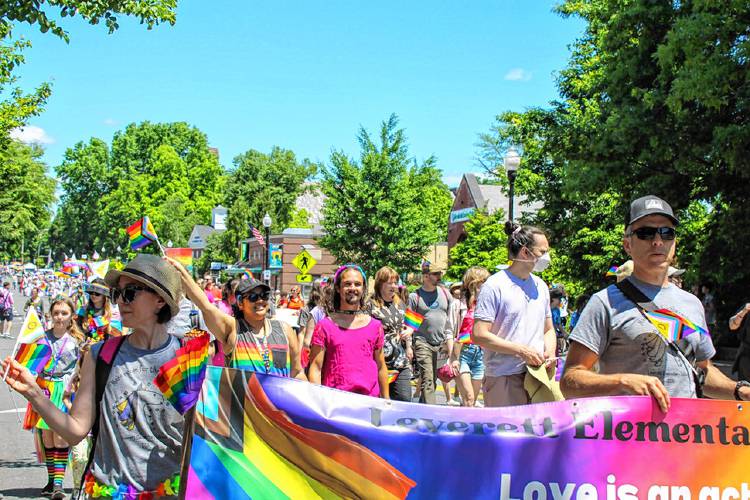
(20,475)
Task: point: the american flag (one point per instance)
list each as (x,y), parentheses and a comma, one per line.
(258,235)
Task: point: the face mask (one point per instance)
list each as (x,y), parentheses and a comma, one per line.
(542,263)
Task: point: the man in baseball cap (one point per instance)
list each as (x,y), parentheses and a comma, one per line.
(634,357)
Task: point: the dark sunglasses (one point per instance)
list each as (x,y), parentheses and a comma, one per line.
(255,296)
(649,233)
(95,294)
(128,293)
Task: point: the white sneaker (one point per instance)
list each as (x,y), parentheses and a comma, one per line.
(478,404)
(453,402)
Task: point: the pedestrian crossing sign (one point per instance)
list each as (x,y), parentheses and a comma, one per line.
(304,261)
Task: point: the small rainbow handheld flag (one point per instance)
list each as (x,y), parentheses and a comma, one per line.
(413,319)
(672,326)
(34,356)
(180,379)
(612,271)
(141,234)
(182,255)
(392,376)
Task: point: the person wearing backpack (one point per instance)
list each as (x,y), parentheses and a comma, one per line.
(136,433)
(614,330)
(6,309)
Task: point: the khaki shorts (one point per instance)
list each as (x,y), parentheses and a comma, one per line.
(505,391)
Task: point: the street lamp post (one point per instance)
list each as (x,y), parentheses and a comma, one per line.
(511,162)
(267,224)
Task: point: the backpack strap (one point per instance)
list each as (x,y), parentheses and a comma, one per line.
(104,362)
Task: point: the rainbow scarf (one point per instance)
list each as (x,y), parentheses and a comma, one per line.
(413,319)
(672,326)
(34,356)
(180,379)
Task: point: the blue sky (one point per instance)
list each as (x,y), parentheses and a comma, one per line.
(305,75)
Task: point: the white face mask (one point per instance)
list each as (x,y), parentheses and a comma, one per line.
(542,262)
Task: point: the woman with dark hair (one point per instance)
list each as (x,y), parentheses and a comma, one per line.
(250,340)
(100,318)
(386,306)
(139,435)
(347,346)
(308,318)
(227,301)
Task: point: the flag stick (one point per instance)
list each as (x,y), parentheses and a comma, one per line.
(13,399)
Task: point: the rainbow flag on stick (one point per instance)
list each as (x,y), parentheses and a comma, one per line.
(182,255)
(34,356)
(180,379)
(142,234)
(413,319)
(672,326)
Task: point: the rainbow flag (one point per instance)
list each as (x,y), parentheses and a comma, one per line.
(180,379)
(413,319)
(392,376)
(34,356)
(142,234)
(244,447)
(182,255)
(612,271)
(672,326)
(32,329)
(247,275)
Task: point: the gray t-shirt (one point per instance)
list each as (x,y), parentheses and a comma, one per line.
(626,342)
(140,432)
(434,306)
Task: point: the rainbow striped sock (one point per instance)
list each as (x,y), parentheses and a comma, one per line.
(49,460)
(61,461)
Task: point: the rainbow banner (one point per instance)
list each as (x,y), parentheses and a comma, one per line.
(34,356)
(672,326)
(141,234)
(261,436)
(612,271)
(182,255)
(180,379)
(413,319)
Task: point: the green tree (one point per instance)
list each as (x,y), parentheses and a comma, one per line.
(434,198)
(300,219)
(653,100)
(375,210)
(165,171)
(26,197)
(485,245)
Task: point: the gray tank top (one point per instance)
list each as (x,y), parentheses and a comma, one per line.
(140,432)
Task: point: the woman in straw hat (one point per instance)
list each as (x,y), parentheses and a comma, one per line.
(138,442)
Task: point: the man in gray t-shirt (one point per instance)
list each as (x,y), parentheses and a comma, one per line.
(433,302)
(633,357)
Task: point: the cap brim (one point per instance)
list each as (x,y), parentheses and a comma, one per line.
(674,219)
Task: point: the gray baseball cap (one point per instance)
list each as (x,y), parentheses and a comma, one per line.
(649,205)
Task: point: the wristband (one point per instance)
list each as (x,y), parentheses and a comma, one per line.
(740,384)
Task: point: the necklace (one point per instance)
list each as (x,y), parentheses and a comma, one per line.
(352,313)
(265,353)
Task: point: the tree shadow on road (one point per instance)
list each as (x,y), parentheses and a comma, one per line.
(22,492)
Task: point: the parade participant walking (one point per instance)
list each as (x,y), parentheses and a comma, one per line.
(512,319)
(6,309)
(467,358)
(347,346)
(128,456)
(739,324)
(296,301)
(36,302)
(65,339)
(434,303)
(100,317)
(250,340)
(615,333)
(386,306)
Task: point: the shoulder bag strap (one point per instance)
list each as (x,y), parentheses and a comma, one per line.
(104,362)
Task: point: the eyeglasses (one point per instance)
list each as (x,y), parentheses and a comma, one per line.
(95,294)
(255,296)
(649,233)
(128,293)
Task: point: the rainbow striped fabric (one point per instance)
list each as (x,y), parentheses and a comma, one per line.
(182,255)
(672,326)
(244,447)
(34,356)
(141,234)
(248,356)
(612,271)
(180,379)
(467,325)
(413,319)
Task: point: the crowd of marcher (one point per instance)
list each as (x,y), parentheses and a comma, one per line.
(364,334)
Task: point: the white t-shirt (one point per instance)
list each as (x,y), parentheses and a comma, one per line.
(517,309)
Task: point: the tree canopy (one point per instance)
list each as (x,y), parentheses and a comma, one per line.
(385,208)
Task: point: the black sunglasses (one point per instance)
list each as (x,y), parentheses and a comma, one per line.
(95,294)
(649,233)
(255,296)
(128,293)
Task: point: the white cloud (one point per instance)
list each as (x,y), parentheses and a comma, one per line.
(518,75)
(110,122)
(31,134)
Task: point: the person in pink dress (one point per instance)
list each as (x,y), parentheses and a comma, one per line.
(347,346)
